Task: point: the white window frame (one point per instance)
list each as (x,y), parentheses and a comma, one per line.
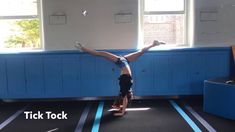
(141,16)
(39,16)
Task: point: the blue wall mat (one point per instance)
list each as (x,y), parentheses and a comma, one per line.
(143,69)
(88,76)
(34,76)
(197,72)
(107,74)
(162,82)
(215,64)
(3,80)
(71,76)
(53,75)
(179,70)
(57,74)
(16,76)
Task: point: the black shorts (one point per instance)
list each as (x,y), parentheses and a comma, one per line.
(125,83)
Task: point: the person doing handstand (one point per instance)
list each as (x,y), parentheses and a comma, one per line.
(125,78)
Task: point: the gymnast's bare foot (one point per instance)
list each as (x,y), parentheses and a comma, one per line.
(157,43)
(78,46)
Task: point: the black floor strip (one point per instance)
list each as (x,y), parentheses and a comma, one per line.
(181,104)
(220,124)
(72,109)
(8,109)
(83,118)
(146,115)
(161,117)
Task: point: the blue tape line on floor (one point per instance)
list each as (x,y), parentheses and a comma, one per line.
(200,119)
(185,116)
(98,115)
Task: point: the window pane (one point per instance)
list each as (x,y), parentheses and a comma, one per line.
(164,5)
(18,7)
(19,33)
(168,28)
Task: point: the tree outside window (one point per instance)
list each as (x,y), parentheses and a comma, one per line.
(20,24)
(26,34)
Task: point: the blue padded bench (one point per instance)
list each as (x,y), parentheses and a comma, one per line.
(219,97)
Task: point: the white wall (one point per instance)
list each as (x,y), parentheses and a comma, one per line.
(98,29)
(215,33)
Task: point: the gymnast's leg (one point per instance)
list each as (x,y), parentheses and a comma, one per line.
(104,54)
(133,56)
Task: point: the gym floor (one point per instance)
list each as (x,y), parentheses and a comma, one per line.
(162,115)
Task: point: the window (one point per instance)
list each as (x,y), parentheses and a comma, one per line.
(20,24)
(162,20)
